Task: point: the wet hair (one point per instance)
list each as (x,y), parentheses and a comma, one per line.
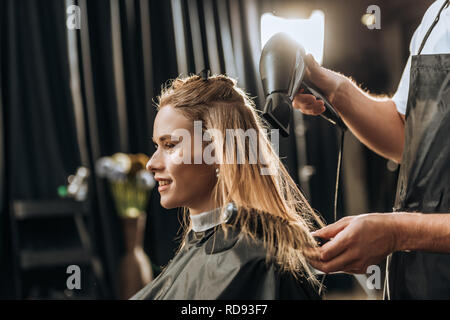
(284,217)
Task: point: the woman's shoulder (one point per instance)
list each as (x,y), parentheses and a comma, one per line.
(231,239)
(242,235)
(256,269)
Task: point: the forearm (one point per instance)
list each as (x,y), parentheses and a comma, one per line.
(375,122)
(422,232)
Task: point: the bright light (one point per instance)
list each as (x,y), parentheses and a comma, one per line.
(308,32)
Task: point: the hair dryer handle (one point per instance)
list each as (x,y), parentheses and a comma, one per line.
(329,114)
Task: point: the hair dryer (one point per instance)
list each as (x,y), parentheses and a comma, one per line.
(282,67)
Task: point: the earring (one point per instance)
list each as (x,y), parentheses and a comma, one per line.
(217,172)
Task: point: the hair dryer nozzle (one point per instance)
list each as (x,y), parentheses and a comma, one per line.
(277,112)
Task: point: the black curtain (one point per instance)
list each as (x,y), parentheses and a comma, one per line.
(41,148)
(39,119)
(4,236)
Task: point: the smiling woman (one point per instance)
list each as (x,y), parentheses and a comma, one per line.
(180,184)
(247,231)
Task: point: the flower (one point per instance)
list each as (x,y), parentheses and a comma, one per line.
(129,181)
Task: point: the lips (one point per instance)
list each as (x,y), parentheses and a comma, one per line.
(164,184)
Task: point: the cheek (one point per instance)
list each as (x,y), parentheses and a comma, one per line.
(192,180)
(189,176)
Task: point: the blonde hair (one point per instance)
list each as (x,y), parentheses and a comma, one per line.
(270,207)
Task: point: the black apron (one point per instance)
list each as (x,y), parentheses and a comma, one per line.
(424,177)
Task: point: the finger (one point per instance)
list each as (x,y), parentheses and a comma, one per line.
(315,104)
(312,112)
(314,109)
(304,98)
(301,91)
(333,248)
(311,253)
(316,264)
(341,263)
(331,230)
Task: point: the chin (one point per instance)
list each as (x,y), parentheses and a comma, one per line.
(168,204)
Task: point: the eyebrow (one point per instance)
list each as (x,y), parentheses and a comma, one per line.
(167,137)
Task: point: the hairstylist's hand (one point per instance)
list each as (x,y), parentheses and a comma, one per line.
(356,243)
(325,80)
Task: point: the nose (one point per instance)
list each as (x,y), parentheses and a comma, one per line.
(155,163)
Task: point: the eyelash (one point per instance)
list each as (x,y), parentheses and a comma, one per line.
(166,145)
(169,145)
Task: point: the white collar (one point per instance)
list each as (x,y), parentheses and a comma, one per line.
(209,219)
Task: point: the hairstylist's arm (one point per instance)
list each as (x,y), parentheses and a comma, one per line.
(375,122)
(366,239)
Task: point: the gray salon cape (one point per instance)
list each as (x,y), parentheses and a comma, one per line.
(212,266)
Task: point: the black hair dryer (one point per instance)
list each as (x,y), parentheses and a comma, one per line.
(282,67)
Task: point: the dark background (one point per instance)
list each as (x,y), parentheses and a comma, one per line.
(68,97)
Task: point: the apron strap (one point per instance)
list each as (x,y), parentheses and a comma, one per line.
(445,5)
